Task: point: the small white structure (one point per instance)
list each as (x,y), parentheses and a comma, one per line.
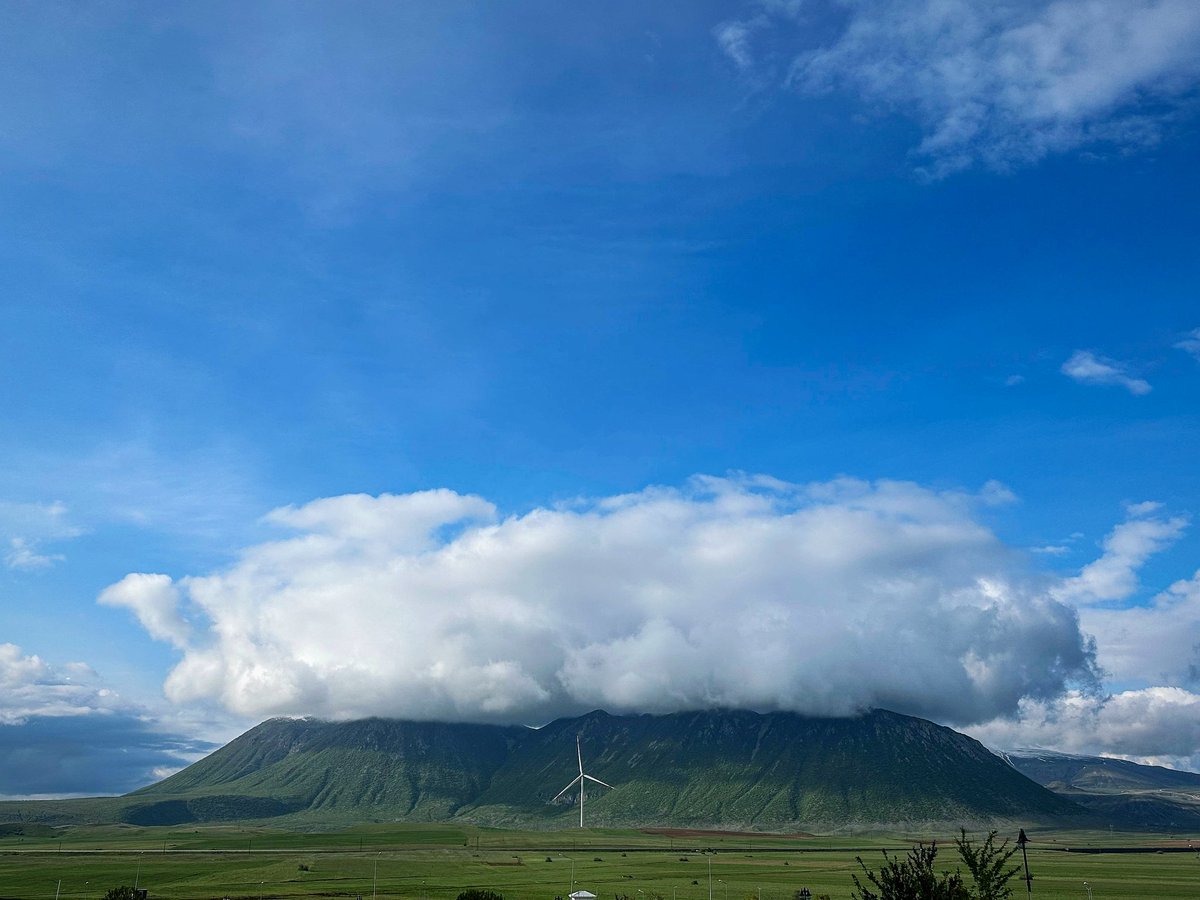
(582,895)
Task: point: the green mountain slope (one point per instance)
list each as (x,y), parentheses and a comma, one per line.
(1115,790)
(743,769)
(380,768)
(720,769)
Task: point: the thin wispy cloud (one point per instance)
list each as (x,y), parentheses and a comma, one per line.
(1190,344)
(28,527)
(22,555)
(1001,85)
(734,40)
(1051,549)
(1086,367)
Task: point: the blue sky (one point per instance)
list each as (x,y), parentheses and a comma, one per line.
(919,275)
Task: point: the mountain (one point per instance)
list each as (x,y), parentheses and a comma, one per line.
(727,769)
(371,768)
(1116,790)
(743,769)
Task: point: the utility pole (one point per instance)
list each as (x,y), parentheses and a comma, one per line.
(1021,842)
(709,876)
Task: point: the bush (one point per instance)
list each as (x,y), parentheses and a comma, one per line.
(987,864)
(479,894)
(124,892)
(911,878)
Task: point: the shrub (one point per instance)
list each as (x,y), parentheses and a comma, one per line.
(987,864)
(479,894)
(911,878)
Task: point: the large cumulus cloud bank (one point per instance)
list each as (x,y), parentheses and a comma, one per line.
(823,598)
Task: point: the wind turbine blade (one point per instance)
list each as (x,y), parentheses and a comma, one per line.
(567,788)
(598,781)
(579,753)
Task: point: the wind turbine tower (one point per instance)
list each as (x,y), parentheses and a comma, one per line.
(579,779)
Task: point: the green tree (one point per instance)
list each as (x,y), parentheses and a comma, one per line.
(124,892)
(911,878)
(988,865)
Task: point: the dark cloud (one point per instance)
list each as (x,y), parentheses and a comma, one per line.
(93,754)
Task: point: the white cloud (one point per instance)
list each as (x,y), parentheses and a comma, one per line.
(1158,642)
(1007,84)
(31,687)
(733,38)
(1152,650)
(1126,548)
(1087,368)
(1154,725)
(26,526)
(823,598)
(996,493)
(21,555)
(43,520)
(1191,343)
(155,602)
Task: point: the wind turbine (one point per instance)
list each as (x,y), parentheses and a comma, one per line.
(580,778)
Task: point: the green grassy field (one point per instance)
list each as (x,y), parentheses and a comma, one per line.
(435,862)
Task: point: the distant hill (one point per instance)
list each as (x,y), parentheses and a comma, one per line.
(724,769)
(1115,790)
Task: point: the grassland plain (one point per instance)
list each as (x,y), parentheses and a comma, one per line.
(436,862)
